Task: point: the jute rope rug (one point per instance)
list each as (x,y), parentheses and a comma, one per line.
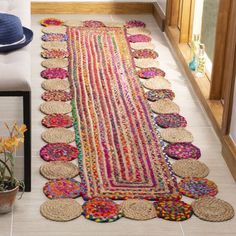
(113,119)
(105,70)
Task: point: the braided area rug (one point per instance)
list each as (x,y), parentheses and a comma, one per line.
(120,152)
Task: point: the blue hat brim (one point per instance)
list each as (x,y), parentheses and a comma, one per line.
(28,38)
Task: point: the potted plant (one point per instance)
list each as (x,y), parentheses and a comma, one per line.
(9,185)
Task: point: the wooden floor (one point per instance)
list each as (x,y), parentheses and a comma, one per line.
(26,219)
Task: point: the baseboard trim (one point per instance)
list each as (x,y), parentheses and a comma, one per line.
(91,8)
(229,154)
(159,16)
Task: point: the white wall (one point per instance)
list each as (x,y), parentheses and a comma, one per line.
(233,119)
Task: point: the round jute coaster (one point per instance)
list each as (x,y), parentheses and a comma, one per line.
(194,187)
(59,169)
(61,95)
(176,135)
(101,210)
(139,46)
(172,120)
(55,63)
(146,63)
(174,210)
(137,209)
(54,45)
(155,95)
(190,168)
(164,106)
(182,151)
(133,31)
(58,152)
(57,120)
(62,188)
(157,83)
(61,209)
(73,23)
(213,209)
(58,135)
(55,84)
(113,24)
(54,30)
(55,107)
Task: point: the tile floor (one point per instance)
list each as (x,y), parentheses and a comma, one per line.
(26,220)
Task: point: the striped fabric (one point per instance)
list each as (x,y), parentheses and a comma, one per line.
(120,152)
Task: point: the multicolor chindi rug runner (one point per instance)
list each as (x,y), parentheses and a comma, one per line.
(120,152)
(124,136)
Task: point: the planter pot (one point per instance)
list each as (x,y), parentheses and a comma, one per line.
(7,199)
